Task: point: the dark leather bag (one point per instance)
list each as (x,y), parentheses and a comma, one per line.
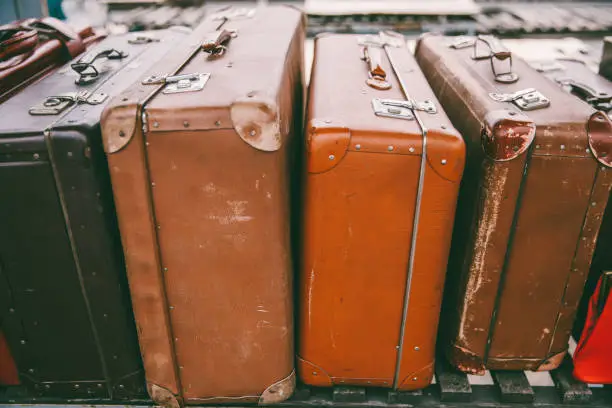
(32,48)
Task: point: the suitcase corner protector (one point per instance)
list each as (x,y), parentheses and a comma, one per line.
(257,120)
(507,134)
(118,124)
(279,391)
(162,396)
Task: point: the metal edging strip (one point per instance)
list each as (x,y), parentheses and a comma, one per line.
(415,224)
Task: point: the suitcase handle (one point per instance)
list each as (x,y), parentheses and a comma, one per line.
(16,40)
(86,69)
(491,48)
(376,73)
(587,93)
(217,47)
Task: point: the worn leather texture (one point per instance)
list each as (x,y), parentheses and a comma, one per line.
(362,173)
(593,356)
(48,43)
(64,301)
(203,205)
(526,227)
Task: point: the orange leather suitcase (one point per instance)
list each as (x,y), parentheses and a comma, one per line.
(384,166)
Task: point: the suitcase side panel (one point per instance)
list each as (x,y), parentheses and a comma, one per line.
(8,369)
(338,293)
(81,169)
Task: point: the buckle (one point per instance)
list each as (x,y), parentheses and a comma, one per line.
(54,105)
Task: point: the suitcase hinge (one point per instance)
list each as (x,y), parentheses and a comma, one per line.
(394,108)
(526,99)
(179,83)
(54,105)
(598,99)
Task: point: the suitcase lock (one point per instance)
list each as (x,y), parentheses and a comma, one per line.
(526,99)
(393,108)
(179,83)
(54,105)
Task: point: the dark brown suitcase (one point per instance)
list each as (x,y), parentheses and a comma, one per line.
(535,188)
(379,202)
(64,306)
(200,152)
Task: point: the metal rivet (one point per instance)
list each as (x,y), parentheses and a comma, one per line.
(165,269)
(332,157)
(588,150)
(218,123)
(562,147)
(417,348)
(31,370)
(327,121)
(186,124)
(69,154)
(36,156)
(171,307)
(537,146)
(93,274)
(158,226)
(121,133)
(11,310)
(147,143)
(115,357)
(47,386)
(105,315)
(152,184)
(411,149)
(77,386)
(443,161)
(390,148)
(515,148)
(443,126)
(252,132)
(593,204)
(23,342)
(369,382)
(511,113)
(358,147)
(229,64)
(99,385)
(124,99)
(414,378)
(155,124)
(397,347)
(315,373)
(121,386)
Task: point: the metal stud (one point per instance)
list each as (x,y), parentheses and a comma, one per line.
(593,204)
(252,133)
(588,150)
(186,124)
(443,161)
(31,371)
(443,126)
(22,342)
(537,146)
(390,148)
(36,156)
(411,149)
(77,386)
(147,143)
(121,386)
(115,357)
(121,133)
(358,147)
(414,378)
(562,147)
(158,226)
(47,386)
(99,385)
(11,310)
(171,307)
(155,124)
(165,269)
(332,157)
(218,123)
(327,121)
(417,348)
(152,184)
(315,373)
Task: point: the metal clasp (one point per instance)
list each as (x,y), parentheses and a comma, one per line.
(462,42)
(526,99)
(54,105)
(394,108)
(142,39)
(179,83)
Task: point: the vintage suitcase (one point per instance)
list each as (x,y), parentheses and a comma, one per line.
(202,195)
(30,49)
(530,206)
(593,356)
(384,166)
(64,305)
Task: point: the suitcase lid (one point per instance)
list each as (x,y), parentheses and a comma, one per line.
(353,105)
(225,76)
(58,101)
(500,86)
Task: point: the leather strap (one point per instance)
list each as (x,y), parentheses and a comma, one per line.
(57,29)
(16,40)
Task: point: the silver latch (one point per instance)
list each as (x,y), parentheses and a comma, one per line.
(393,108)
(526,99)
(462,42)
(179,83)
(54,105)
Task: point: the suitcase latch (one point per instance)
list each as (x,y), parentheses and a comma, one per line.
(462,42)
(600,100)
(179,83)
(394,108)
(54,105)
(526,99)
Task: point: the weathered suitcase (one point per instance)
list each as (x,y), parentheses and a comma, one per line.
(64,305)
(530,206)
(33,48)
(379,204)
(201,189)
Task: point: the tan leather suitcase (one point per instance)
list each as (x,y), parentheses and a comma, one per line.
(383,172)
(535,188)
(200,155)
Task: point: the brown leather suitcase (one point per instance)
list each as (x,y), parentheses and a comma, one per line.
(32,48)
(202,194)
(535,188)
(383,172)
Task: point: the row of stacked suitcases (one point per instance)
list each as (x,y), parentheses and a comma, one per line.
(163,195)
